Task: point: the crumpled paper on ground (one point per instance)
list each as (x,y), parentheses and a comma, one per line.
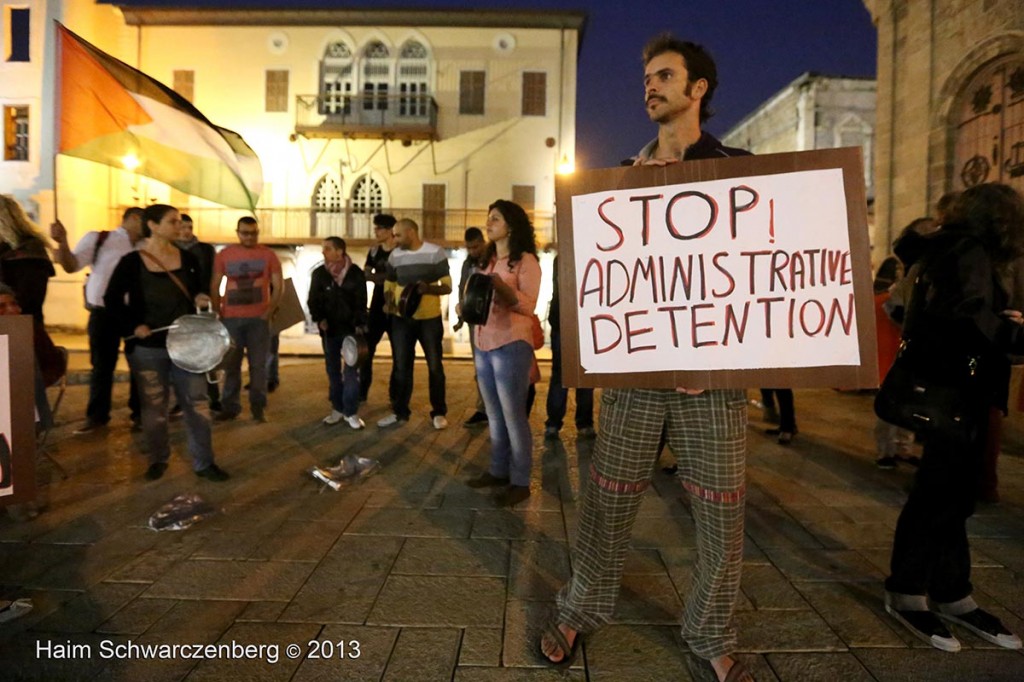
(350,470)
(182,512)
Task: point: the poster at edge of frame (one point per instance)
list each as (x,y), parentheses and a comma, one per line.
(17,410)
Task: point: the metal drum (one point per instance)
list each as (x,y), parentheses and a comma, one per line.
(476,301)
(198,343)
(410,300)
(354,349)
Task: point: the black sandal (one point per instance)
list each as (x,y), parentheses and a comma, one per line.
(569,653)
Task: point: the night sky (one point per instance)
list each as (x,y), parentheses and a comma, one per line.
(760,46)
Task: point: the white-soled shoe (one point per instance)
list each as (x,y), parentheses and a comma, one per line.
(333,418)
(387,421)
(984,625)
(440,422)
(355,422)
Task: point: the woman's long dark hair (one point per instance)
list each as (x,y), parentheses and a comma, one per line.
(994,213)
(520,231)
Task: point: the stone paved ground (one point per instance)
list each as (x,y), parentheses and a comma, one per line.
(425,579)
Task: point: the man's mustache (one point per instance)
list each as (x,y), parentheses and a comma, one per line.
(654,97)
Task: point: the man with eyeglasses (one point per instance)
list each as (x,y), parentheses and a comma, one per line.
(251,297)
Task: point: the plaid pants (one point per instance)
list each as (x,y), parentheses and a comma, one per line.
(707,433)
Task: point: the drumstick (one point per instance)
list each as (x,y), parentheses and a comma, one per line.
(153,331)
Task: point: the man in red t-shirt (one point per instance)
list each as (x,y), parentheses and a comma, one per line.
(250,299)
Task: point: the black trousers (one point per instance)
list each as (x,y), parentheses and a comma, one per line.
(104,346)
(930,552)
(787,410)
(377,327)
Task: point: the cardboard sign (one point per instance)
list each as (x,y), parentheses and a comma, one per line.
(728,273)
(289,312)
(17,415)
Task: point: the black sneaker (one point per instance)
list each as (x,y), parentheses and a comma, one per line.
(478,419)
(512,495)
(213,473)
(486,480)
(984,625)
(156,470)
(926,626)
(272,386)
(888,462)
(225,416)
(88,426)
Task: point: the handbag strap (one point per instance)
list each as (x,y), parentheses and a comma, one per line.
(170,274)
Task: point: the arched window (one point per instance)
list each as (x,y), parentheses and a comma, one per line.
(988,122)
(413,80)
(336,80)
(367,199)
(376,76)
(328,208)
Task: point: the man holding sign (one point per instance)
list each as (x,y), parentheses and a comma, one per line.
(705,429)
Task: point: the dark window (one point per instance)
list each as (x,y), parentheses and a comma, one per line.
(18,39)
(277,90)
(535,94)
(471,92)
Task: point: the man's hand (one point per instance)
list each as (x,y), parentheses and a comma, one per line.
(58,232)
(1014,316)
(142,331)
(322,325)
(269,315)
(689,391)
(423,287)
(203,301)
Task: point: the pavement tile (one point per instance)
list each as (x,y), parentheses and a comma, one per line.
(519,525)
(913,665)
(763,631)
(854,611)
(238,580)
(425,523)
(438,601)
(261,612)
(538,569)
(299,541)
(87,611)
(145,568)
(648,600)
(669,531)
(819,667)
(773,527)
(481,646)
(441,556)
(644,561)
(346,583)
(196,620)
(517,675)
(852,535)
(767,589)
(424,654)
(137,617)
(799,564)
(626,652)
(93,563)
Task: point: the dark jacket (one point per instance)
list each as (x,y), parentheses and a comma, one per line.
(125,299)
(954,324)
(706,147)
(342,306)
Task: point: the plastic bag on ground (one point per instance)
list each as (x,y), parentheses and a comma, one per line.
(351,469)
(182,512)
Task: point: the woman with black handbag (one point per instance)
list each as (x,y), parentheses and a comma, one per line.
(957,335)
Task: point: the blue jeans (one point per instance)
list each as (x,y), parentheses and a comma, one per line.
(558,394)
(156,376)
(405,333)
(250,334)
(503,375)
(274,360)
(342,379)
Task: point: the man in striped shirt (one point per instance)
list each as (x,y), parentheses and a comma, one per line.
(417,264)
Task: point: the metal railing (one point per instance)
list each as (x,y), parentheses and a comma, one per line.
(366,115)
(304,225)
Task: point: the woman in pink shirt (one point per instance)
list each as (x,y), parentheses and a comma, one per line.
(505,350)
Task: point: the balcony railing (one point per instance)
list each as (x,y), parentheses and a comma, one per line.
(407,117)
(298,225)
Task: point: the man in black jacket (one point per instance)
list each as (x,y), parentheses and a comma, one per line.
(705,429)
(337,303)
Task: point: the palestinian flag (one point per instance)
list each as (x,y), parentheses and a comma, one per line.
(108,111)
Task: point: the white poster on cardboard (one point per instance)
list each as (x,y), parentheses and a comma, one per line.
(742,273)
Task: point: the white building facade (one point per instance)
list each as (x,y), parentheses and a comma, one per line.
(430,115)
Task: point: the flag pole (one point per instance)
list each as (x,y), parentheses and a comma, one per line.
(56,118)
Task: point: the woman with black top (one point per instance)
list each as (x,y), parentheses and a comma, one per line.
(957,332)
(150,288)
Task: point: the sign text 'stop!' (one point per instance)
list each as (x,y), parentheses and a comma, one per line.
(747,275)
